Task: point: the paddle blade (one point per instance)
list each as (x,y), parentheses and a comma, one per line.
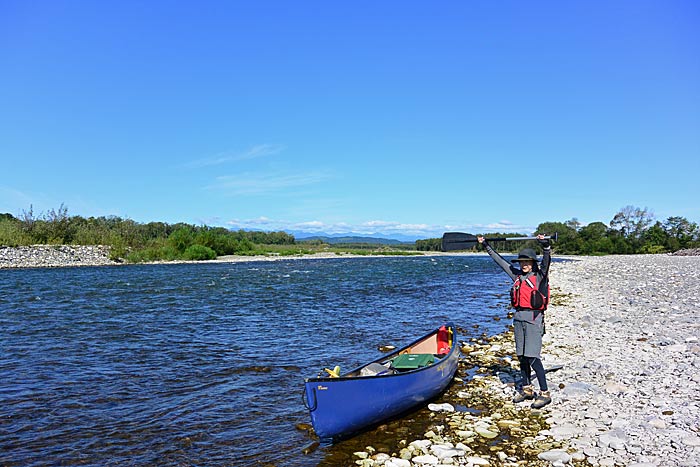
(452,241)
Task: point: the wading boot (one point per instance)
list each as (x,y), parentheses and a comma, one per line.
(527,393)
(543,399)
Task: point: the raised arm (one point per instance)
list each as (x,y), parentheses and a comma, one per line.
(504,264)
(546,254)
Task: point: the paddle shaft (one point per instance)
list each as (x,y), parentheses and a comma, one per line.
(462,241)
(510,239)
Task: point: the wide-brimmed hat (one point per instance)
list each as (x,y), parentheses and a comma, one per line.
(528,254)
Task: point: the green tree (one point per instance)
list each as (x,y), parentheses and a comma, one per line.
(429,244)
(631,221)
(683,231)
(566,236)
(593,239)
(654,239)
(593,231)
(181,239)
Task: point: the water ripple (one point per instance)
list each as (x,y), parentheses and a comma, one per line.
(204,364)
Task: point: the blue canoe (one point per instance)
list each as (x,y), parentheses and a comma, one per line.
(384,388)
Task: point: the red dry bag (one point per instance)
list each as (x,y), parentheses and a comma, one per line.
(443,341)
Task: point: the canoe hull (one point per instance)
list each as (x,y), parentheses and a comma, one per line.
(343,406)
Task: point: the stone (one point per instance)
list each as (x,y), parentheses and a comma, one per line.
(486,433)
(507,423)
(692,440)
(615,388)
(426,459)
(421,444)
(578,388)
(441,407)
(657,423)
(591,451)
(555,455)
(382,457)
(476,460)
(676,348)
(394,462)
(565,431)
(442,451)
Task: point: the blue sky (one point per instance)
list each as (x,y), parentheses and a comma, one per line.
(362,116)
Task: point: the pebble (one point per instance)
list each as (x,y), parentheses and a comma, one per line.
(394,462)
(475,460)
(426,459)
(692,441)
(441,407)
(555,455)
(442,452)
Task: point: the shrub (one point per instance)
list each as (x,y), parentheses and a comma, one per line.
(181,239)
(653,249)
(199,253)
(12,234)
(153,253)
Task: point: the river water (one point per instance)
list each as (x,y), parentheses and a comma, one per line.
(203,364)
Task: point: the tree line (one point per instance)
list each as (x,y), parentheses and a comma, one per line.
(131,240)
(632,230)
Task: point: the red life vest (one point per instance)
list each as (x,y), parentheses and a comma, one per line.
(525,295)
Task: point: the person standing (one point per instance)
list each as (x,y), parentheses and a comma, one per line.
(529,297)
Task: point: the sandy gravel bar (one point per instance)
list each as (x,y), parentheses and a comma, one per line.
(626,331)
(54,256)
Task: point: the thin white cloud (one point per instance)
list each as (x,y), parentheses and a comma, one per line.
(260,150)
(310,225)
(373,227)
(388,226)
(261,183)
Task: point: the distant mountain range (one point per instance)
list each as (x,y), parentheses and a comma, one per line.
(352,237)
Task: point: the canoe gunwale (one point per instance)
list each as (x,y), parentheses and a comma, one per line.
(390,356)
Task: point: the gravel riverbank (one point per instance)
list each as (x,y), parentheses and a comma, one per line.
(628,339)
(54,256)
(623,357)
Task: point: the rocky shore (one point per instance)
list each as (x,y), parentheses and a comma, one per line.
(54,256)
(623,357)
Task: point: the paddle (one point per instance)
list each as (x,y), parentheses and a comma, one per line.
(462,241)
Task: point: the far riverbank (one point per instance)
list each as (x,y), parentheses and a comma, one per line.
(56,256)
